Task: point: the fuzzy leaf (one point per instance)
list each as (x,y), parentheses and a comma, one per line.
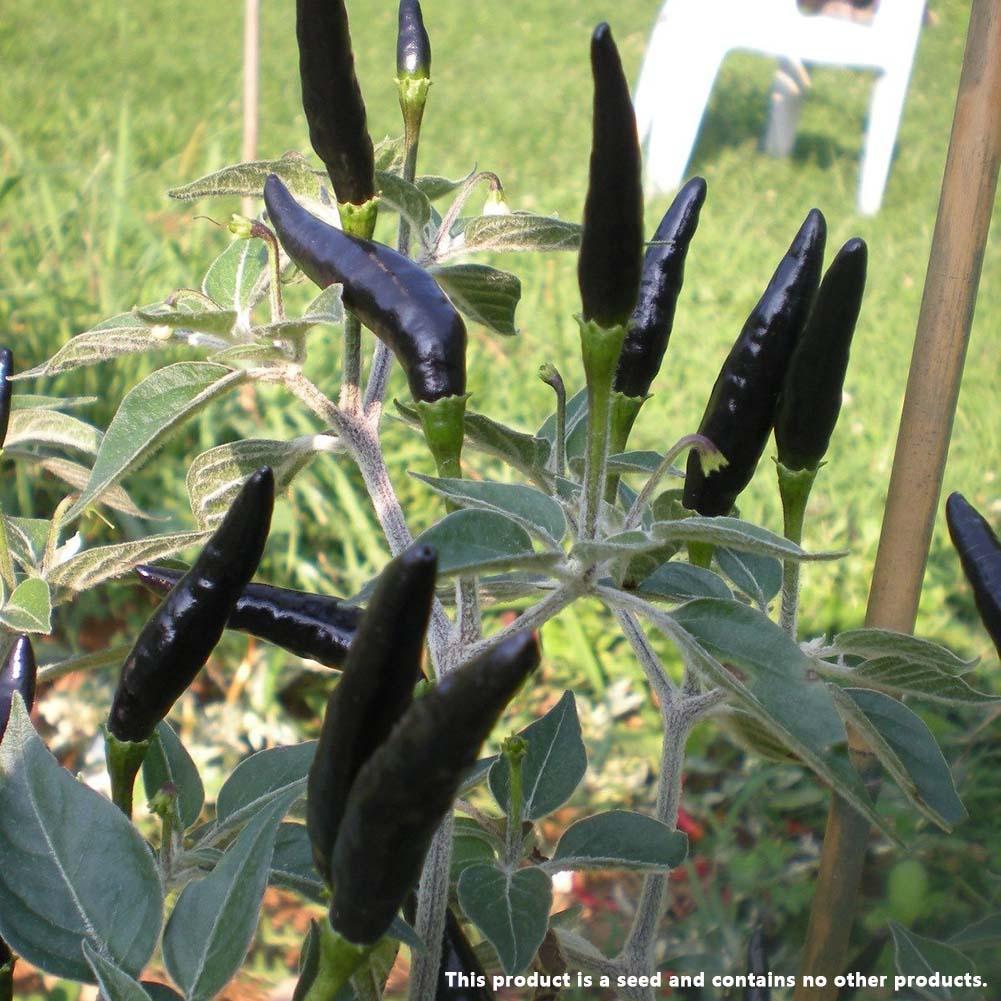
(880,642)
(916,956)
(678,581)
(520,231)
(483,294)
(29,608)
(216,476)
(276,773)
(52,903)
(92,566)
(292,865)
(909,677)
(247,179)
(115,984)
(620,839)
(236,279)
(50,427)
(148,415)
(167,761)
(511,909)
(554,765)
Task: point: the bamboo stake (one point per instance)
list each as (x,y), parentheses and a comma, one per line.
(251,87)
(950,293)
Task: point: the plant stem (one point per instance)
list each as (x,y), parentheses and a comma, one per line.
(550,375)
(514,750)
(124,759)
(357,221)
(600,348)
(432,912)
(339,959)
(625,410)
(794,489)
(660,682)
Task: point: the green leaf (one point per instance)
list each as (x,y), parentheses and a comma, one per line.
(637,462)
(214,322)
(531,508)
(879,642)
(511,909)
(29,608)
(483,294)
(49,824)
(50,427)
(554,765)
(247,179)
(620,839)
(167,761)
(264,777)
(115,984)
(678,581)
(124,334)
(916,956)
(914,746)
(237,278)
(519,450)
(27,538)
(213,923)
(403,197)
(435,186)
(909,677)
(77,476)
(93,566)
(520,231)
(986,931)
(160,992)
(148,415)
(217,476)
(735,534)
(292,865)
(472,541)
(770,678)
(759,577)
(32,401)
(467,851)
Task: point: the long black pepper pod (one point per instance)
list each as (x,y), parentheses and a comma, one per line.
(757,963)
(611,248)
(382,668)
(177,641)
(6,389)
(18,673)
(408,785)
(811,395)
(394,297)
(663,274)
(314,626)
(413,47)
(980,554)
(331,98)
(741,407)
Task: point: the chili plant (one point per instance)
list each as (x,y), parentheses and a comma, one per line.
(402,844)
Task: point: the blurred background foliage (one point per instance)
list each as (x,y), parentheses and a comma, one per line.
(106,105)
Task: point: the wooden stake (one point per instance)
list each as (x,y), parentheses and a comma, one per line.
(251,87)
(950,294)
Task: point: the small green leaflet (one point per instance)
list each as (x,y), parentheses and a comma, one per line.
(29,608)
(483,294)
(619,839)
(237,278)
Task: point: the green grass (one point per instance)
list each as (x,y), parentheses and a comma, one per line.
(108,105)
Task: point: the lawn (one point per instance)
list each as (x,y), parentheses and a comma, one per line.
(107,105)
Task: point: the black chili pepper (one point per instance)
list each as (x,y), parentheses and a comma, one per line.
(611,248)
(381,670)
(314,626)
(663,274)
(741,407)
(811,395)
(6,389)
(395,298)
(980,554)
(405,789)
(757,964)
(458,956)
(178,639)
(331,98)
(17,674)
(413,47)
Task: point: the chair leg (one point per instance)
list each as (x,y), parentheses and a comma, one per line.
(683,89)
(885,111)
(785,104)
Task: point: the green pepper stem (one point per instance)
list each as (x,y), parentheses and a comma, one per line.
(625,410)
(338,961)
(794,489)
(600,347)
(356,220)
(259,230)
(514,750)
(124,759)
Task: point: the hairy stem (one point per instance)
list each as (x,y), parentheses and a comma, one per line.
(794,489)
(432,911)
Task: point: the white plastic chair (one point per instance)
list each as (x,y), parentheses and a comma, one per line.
(691,37)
